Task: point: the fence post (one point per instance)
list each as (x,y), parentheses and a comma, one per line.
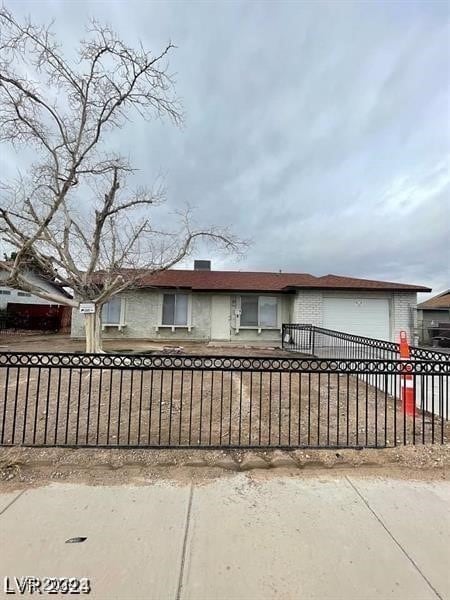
(406,380)
(313,331)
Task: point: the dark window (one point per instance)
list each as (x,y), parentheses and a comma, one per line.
(175,309)
(249,311)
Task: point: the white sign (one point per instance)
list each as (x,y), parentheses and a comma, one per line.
(87,308)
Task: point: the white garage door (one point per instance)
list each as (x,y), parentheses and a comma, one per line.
(368,317)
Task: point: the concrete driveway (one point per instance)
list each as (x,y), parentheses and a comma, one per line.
(243,537)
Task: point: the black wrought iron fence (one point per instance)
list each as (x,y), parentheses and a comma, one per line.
(146,401)
(327,343)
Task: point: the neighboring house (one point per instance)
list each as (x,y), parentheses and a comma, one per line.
(29,309)
(432,312)
(249,307)
(8,294)
(11,295)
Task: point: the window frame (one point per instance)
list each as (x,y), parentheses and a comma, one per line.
(172,326)
(121,324)
(257,327)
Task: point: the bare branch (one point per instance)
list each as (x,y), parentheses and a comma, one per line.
(71,216)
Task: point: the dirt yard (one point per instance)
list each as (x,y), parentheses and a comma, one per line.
(163,407)
(64,343)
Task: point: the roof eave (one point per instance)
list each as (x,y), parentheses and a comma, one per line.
(363,288)
(446,308)
(285,290)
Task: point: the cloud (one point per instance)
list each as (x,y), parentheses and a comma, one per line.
(318,129)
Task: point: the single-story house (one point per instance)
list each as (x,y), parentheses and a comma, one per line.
(432,312)
(250,307)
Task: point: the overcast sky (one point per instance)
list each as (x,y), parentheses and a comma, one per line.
(318,130)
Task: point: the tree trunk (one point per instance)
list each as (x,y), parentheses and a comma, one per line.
(93,328)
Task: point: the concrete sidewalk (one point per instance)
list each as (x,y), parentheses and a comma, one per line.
(330,537)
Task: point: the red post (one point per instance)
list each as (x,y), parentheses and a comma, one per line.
(407,380)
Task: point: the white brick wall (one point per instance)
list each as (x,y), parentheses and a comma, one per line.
(404,316)
(307,307)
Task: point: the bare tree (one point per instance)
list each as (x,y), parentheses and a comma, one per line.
(71,216)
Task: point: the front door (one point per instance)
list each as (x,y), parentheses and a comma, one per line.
(220,317)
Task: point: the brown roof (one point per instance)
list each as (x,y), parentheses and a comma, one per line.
(441,301)
(263,282)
